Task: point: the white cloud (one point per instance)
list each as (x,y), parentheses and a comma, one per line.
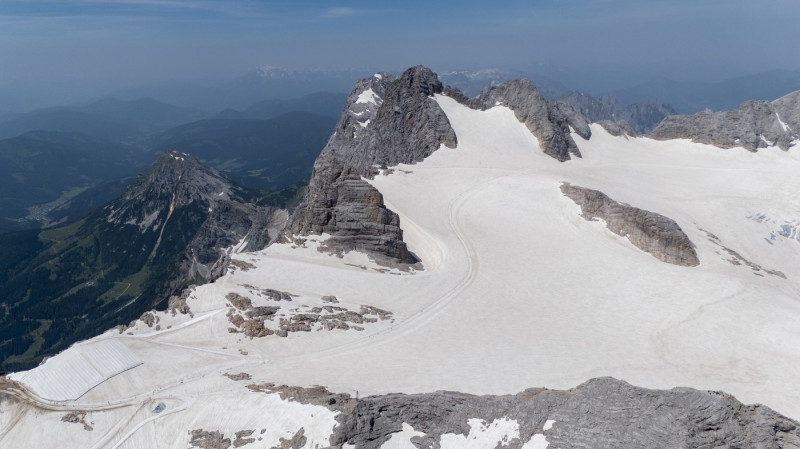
(343,12)
(336,13)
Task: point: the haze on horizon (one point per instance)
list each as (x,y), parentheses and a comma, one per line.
(60,51)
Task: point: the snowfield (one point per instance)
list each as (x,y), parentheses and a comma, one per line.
(517,291)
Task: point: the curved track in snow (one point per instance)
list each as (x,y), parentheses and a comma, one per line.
(430,311)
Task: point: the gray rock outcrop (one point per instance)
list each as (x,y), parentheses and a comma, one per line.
(651,232)
(755,125)
(600,413)
(549,124)
(621,128)
(207,256)
(642,117)
(566,116)
(386,121)
(788,108)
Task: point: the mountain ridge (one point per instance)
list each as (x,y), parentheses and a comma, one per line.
(516,280)
(173,227)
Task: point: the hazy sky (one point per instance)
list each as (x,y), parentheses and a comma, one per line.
(93,45)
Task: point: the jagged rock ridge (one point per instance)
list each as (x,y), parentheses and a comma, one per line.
(648,231)
(755,125)
(386,121)
(600,413)
(640,117)
(550,124)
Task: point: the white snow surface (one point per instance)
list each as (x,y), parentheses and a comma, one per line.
(78,369)
(483,435)
(368,96)
(537,441)
(517,291)
(402,439)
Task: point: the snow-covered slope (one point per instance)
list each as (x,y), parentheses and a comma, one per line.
(516,290)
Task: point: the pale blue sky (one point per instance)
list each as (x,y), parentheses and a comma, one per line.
(104,44)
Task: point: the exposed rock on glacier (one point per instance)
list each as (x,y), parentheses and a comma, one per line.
(387,121)
(755,125)
(602,412)
(648,231)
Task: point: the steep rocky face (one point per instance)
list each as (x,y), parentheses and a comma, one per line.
(642,117)
(755,125)
(221,218)
(788,108)
(549,124)
(230,224)
(176,179)
(648,231)
(601,413)
(566,117)
(386,121)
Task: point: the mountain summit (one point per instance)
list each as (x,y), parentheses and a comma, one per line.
(175,226)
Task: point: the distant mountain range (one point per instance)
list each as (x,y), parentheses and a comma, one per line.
(325,104)
(256,85)
(58,163)
(690,97)
(110,119)
(683,97)
(47,176)
(642,117)
(263,154)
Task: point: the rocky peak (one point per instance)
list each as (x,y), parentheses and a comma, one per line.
(419,81)
(175,180)
(386,121)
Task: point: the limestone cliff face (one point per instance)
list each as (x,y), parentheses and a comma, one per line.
(601,413)
(648,231)
(755,125)
(386,121)
(207,256)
